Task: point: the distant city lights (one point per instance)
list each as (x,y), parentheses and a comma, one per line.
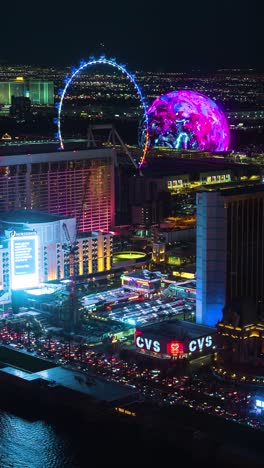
(103,61)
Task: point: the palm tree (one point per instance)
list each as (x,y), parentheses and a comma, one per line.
(82,349)
(112,348)
(19,329)
(28,328)
(8,326)
(38,332)
(33,325)
(68,339)
(49,336)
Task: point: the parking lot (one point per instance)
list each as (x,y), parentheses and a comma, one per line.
(133,309)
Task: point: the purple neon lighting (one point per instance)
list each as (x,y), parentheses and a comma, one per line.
(187,120)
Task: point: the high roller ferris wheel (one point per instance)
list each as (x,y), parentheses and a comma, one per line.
(102,60)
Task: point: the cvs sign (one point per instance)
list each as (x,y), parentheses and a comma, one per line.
(148,343)
(174,348)
(200,343)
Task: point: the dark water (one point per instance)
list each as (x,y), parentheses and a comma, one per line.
(68,442)
(64,442)
(37,443)
(56,441)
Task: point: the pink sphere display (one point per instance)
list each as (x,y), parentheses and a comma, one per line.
(187,120)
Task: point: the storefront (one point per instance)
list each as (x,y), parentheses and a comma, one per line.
(175,339)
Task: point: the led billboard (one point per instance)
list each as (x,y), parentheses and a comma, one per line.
(24,261)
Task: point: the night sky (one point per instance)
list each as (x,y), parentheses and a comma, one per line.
(165,36)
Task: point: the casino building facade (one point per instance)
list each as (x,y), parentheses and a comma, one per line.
(77,184)
(175,339)
(240,344)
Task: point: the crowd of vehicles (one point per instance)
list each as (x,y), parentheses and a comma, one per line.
(200,390)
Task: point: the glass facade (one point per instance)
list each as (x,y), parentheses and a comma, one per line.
(210,257)
(41,92)
(230,252)
(9,89)
(245,248)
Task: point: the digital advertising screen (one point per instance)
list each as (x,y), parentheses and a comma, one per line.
(24,262)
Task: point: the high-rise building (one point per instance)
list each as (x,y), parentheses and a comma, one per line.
(41,92)
(12,88)
(230,252)
(20,107)
(79,184)
(158,252)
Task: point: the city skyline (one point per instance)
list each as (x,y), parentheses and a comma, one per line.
(102,93)
(131,233)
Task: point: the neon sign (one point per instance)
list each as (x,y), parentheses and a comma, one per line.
(174,348)
(148,344)
(200,343)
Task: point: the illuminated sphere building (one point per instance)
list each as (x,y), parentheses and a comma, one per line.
(187,120)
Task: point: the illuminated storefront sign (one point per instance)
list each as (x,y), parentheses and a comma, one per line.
(174,348)
(260,404)
(200,343)
(148,344)
(24,261)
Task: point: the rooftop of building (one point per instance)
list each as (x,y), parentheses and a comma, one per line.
(91,385)
(26,152)
(244,190)
(184,250)
(45,289)
(232,191)
(144,275)
(38,146)
(170,166)
(178,329)
(29,217)
(184,284)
